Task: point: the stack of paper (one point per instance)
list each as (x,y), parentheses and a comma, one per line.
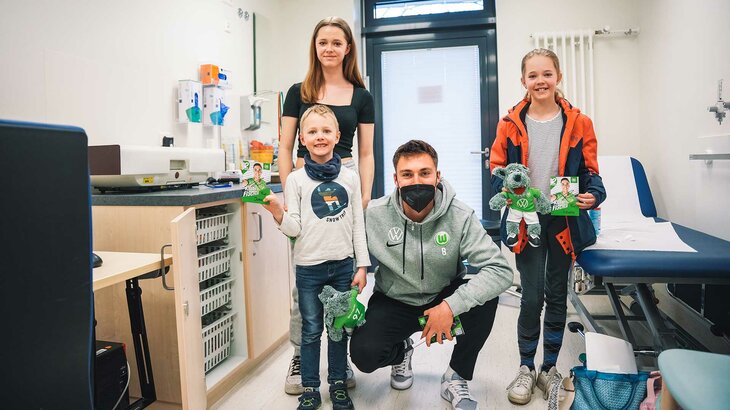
(609,354)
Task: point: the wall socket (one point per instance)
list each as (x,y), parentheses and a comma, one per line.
(167,139)
(227,26)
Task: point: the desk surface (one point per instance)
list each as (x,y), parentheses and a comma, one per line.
(173,197)
(120,266)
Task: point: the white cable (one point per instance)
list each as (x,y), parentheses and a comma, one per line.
(123,391)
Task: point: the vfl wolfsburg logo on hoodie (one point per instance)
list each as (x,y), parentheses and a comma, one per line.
(328,200)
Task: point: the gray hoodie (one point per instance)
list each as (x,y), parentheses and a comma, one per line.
(419,259)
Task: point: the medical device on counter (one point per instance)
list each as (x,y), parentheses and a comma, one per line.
(126,167)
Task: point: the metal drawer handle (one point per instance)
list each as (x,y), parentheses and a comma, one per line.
(163,269)
(261,231)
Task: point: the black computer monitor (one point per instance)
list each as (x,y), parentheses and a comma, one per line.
(46,300)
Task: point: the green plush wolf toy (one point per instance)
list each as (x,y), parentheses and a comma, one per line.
(526,202)
(342,310)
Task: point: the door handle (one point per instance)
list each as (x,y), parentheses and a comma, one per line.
(486,156)
(261,231)
(163,269)
(485,152)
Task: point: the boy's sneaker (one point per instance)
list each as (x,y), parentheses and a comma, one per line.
(534,240)
(521,388)
(401,375)
(310,399)
(340,399)
(548,381)
(511,240)
(293,384)
(456,390)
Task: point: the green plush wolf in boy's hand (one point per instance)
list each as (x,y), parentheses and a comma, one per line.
(342,310)
(525,202)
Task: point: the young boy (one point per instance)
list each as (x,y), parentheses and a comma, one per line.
(324,214)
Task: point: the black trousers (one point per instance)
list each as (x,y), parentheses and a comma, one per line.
(544,279)
(379,342)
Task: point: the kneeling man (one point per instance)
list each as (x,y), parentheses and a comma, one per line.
(420,234)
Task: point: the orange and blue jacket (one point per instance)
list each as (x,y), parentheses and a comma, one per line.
(577,157)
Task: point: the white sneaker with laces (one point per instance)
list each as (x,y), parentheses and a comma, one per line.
(550,380)
(293,383)
(521,388)
(401,375)
(456,390)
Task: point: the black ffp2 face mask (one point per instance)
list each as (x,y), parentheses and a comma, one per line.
(418,196)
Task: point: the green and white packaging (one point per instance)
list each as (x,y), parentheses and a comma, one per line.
(256,176)
(456,328)
(563,191)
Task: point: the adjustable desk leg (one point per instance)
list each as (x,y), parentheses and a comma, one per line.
(141,348)
(585,316)
(618,310)
(659,332)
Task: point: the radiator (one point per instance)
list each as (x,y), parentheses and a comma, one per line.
(575,51)
(574,48)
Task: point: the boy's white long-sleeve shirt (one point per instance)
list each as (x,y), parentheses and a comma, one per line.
(326,218)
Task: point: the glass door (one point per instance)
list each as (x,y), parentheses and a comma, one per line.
(443,91)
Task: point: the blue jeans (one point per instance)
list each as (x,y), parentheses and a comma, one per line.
(310,281)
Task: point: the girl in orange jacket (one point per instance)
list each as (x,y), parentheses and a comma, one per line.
(547,134)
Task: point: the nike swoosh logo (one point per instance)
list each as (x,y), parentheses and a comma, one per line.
(393,244)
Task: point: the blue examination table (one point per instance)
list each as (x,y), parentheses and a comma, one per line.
(630,272)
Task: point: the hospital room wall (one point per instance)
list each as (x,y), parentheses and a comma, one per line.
(112,67)
(684,52)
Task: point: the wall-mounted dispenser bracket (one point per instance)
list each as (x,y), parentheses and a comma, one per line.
(251,112)
(721,107)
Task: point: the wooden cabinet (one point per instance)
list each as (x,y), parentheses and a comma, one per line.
(140,229)
(268,280)
(187,303)
(212,353)
(260,295)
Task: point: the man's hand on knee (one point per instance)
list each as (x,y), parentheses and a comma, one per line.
(440,319)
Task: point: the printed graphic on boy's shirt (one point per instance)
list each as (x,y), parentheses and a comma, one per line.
(562,196)
(329,199)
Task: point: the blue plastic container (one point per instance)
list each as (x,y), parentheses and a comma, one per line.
(595,215)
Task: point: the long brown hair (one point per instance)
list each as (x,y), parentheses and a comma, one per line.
(556,62)
(314,79)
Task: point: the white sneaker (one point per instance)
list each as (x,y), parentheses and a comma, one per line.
(456,390)
(550,380)
(521,388)
(401,375)
(293,383)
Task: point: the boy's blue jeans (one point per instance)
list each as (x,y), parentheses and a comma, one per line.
(310,281)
